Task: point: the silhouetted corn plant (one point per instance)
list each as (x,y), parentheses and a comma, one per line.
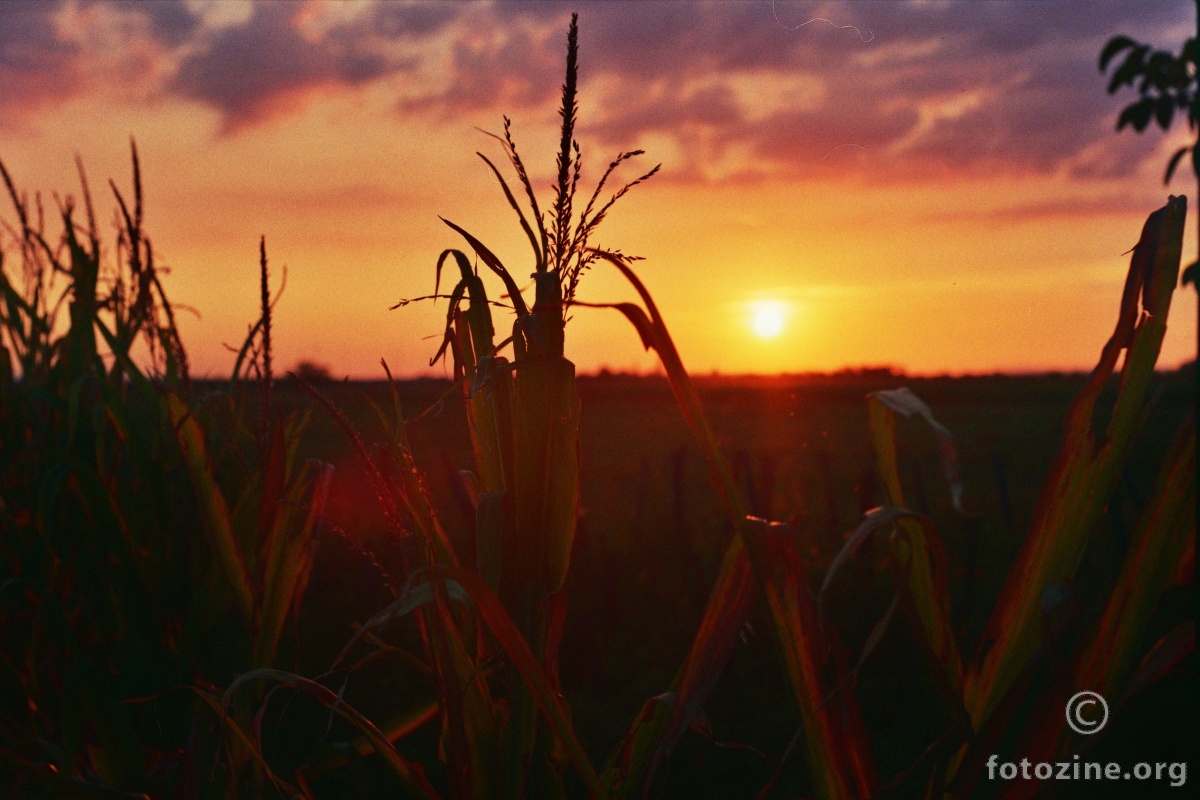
(524,421)
(1027,633)
(133,533)
(523,417)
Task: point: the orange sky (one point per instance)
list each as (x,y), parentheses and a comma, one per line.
(938,188)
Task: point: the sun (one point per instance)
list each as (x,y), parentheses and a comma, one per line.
(768,318)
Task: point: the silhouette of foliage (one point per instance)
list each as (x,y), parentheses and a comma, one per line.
(1166,82)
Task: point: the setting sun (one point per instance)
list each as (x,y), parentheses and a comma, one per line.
(768,318)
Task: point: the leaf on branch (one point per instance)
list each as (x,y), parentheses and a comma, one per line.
(1164,111)
(1137,114)
(1133,66)
(1173,163)
(1115,45)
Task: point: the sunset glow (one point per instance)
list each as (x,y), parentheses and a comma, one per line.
(768,318)
(939,186)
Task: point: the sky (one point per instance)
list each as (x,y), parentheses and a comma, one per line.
(932,186)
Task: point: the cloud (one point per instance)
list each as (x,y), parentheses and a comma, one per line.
(960,87)
(492,64)
(38,64)
(172,23)
(262,63)
(254,70)
(267,65)
(727,90)
(745,90)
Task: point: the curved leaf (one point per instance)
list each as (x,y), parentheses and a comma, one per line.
(1166,528)
(1115,45)
(1174,162)
(1080,483)
(494,264)
(411,775)
(726,614)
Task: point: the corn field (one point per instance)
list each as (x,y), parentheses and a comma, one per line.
(159,535)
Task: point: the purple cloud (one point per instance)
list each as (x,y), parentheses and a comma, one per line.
(37,63)
(253,70)
(965,86)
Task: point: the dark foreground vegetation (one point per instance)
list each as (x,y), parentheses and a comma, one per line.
(652,531)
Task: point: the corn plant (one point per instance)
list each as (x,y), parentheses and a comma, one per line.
(511,736)
(1032,630)
(491,638)
(523,417)
(133,538)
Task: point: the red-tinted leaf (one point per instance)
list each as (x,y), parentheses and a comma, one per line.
(1088,465)
(1167,654)
(411,775)
(522,658)
(838,749)
(1166,528)
(727,611)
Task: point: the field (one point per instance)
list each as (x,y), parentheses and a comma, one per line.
(871,581)
(847,585)
(522,582)
(651,535)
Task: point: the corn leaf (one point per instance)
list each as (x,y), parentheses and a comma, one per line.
(538,257)
(493,263)
(470,715)
(626,769)
(1167,526)
(905,403)
(412,598)
(287,559)
(836,740)
(1088,465)
(927,566)
(653,332)
(547,699)
(727,611)
(411,775)
(838,750)
(213,508)
(1166,655)
(245,743)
